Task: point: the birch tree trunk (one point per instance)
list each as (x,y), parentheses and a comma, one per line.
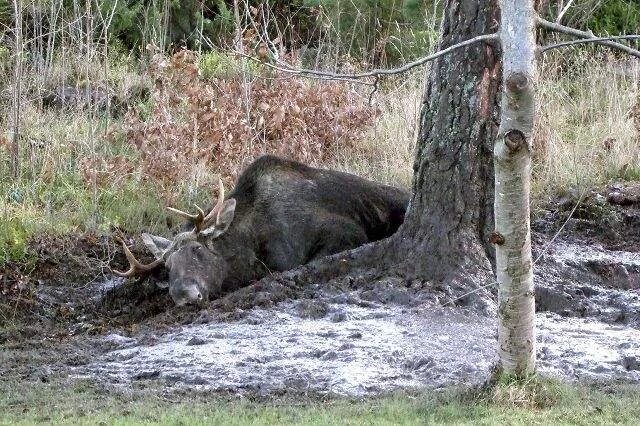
(16,99)
(512,162)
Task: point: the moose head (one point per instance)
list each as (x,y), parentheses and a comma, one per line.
(195,269)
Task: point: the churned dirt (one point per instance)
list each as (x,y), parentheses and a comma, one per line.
(65,315)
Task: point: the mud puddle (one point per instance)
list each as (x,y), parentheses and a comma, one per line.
(359,351)
(386,336)
(352,351)
(589,281)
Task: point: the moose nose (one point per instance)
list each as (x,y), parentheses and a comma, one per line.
(190,298)
(194,296)
(186,292)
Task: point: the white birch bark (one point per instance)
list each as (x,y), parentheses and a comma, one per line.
(512,159)
(16,98)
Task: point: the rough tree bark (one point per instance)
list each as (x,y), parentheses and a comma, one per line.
(451,212)
(512,155)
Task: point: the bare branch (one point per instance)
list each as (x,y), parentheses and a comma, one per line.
(587,35)
(588,40)
(376,72)
(302,72)
(563,11)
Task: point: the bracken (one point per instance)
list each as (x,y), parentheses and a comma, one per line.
(220,125)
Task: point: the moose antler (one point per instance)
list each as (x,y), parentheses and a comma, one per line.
(197,219)
(135,267)
(215,211)
(200,220)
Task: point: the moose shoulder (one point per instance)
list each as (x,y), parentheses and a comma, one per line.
(281,214)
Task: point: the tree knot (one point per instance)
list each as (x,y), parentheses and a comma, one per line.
(514,139)
(496,238)
(517,82)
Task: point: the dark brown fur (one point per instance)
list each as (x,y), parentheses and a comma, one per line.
(287,214)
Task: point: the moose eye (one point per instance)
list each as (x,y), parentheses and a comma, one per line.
(198,253)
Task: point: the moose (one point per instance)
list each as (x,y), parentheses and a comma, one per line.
(280,215)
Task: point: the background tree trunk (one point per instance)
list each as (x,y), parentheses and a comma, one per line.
(16,97)
(444,237)
(514,267)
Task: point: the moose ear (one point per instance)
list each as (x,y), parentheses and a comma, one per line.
(156,245)
(223,220)
(162,284)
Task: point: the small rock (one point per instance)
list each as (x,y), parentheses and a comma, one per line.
(631,363)
(125,356)
(118,341)
(618,186)
(196,341)
(329,355)
(419,363)
(153,374)
(355,335)
(621,199)
(312,309)
(339,316)
(254,321)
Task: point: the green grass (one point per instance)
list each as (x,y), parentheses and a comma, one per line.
(547,403)
(67,205)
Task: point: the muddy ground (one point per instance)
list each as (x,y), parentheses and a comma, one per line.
(66,316)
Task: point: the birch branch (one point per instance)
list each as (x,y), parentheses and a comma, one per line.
(375,72)
(319,75)
(563,11)
(588,40)
(587,35)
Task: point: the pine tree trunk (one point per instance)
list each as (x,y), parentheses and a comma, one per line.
(512,156)
(444,237)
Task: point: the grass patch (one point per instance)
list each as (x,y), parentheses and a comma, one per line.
(83,402)
(586,135)
(386,153)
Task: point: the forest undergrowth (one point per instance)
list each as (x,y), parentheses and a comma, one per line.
(107,147)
